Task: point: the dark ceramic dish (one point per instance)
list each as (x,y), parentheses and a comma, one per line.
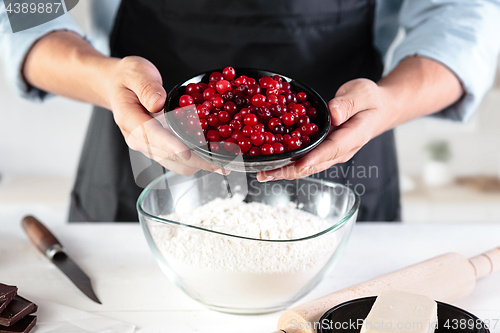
(450,318)
(249,163)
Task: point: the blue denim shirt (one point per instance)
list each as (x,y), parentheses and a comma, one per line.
(464,35)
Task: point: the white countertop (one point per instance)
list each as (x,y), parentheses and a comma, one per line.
(133,289)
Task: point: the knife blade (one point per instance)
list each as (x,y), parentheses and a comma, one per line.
(48,244)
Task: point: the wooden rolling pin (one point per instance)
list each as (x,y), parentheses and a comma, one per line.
(445,278)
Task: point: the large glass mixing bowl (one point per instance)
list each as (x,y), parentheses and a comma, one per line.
(236,274)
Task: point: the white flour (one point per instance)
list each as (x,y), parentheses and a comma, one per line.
(238,273)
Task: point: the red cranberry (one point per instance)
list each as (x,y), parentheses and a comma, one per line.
(215,76)
(267,149)
(209,94)
(230,108)
(303,120)
(294,143)
(241,80)
(299,109)
(179,113)
(286,139)
(185,100)
(193,124)
(301,97)
(264,115)
(197,98)
(231,144)
(209,105)
(247,131)
(285,85)
(296,134)
(254,151)
(251,80)
(223,86)
(305,140)
(273,99)
(229,73)
(288,119)
(236,125)
(257,139)
(245,144)
(202,86)
(204,123)
(273,122)
(279,129)
(240,101)
(312,113)
(213,136)
(202,111)
(315,131)
(250,120)
(214,147)
(223,116)
(276,110)
(218,101)
(213,120)
(192,88)
(279,138)
(258,100)
(253,90)
(238,135)
(259,128)
(225,131)
(278,148)
(243,88)
(269,137)
(228,96)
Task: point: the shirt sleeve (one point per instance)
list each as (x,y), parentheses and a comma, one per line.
(464,35)
(15,46)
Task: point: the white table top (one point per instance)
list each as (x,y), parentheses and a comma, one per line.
(133,289)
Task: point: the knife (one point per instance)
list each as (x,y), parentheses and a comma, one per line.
(48,244)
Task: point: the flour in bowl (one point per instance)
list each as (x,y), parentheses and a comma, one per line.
(233,272)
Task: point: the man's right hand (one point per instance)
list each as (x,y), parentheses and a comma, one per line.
(136,94)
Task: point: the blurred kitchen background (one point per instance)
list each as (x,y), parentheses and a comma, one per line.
(450,172)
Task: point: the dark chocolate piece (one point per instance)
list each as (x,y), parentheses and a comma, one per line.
(17,309)
(24,325)
(7,292)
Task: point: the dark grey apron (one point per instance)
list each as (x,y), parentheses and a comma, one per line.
(324,43)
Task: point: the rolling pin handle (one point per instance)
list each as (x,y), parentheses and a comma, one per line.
(486,263)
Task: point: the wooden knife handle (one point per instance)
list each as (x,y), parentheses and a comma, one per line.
(38,234)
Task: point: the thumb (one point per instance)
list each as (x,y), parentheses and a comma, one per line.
(351,98)
(146,83)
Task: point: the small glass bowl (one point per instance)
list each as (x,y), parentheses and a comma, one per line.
(251,284)
(249,163)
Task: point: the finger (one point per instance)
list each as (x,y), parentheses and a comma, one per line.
(140,129)
(195,163)
(338,147)
(145,81)
(353,97)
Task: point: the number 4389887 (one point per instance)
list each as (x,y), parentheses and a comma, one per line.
(32,8)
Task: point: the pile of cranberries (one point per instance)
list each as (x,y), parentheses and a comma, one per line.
(245,116)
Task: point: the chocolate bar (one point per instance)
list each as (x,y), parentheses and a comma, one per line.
(16,310)
(7,293)
(24,325)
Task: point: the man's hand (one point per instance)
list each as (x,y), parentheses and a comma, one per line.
(136,93)
(356,110)
(363,109)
